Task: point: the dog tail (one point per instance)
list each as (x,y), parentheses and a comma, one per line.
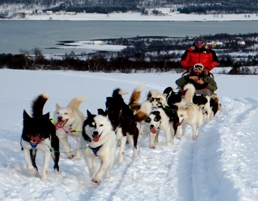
(118,92)
(135,98)
(190,89)
(168,90)
(75,103)
(38,105)
(143,112)
(215,98)
(216,105)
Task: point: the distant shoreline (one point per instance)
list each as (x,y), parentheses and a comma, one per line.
(132,16)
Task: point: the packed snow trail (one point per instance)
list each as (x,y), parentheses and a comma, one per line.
(216,175)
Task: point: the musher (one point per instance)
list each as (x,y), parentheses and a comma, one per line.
(203,82)
(199,52)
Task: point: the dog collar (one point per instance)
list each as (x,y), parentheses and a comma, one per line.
(96,149)
(52,121)
(34,145)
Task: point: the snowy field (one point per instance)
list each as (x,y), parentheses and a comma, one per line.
(221,165)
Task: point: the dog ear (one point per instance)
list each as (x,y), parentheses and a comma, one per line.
(88,113)
(156,112)
(167,90)
(102,112)
(25,115)
(149,95)
(46,116)
(57,106)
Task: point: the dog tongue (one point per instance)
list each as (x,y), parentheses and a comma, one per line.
(96,138)
(60,124)
(153,130)
(180,123)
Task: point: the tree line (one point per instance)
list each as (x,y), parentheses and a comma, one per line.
(108,6)
(160,54)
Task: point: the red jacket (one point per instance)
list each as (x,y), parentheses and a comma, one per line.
(194,55)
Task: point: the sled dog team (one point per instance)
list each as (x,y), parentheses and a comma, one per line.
(99,135)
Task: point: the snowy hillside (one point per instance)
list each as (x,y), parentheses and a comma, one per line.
(221,165)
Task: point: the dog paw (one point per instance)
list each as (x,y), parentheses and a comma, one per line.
(152,147)
(178,137)
(135,154)
(33,171)
(195,137)
(96,181)
(44,177)
(169,144)
(71,156)
(78,155)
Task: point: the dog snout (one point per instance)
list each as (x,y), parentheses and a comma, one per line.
(151,126)
(59,118)
(95,133)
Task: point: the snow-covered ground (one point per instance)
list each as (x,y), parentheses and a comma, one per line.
(221,165)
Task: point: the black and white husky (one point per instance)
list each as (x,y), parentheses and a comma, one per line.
(122,118)
(208,104)
(97,130)
(165,119)
(39,133)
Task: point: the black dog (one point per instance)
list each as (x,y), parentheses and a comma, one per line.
(122,120)
(173,97)
(39,133)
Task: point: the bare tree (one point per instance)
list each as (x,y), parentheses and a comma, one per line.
(25,54)
(37,55)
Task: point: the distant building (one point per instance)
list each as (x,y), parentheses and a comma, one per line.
(39,12)
(240,41)
(216,44)
(49,12)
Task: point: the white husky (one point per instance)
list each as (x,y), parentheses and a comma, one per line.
(68,121)
(190,114)
(97,130)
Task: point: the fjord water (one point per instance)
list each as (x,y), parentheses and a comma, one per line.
(28,34)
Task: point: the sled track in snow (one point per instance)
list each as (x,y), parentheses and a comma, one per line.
(235,116)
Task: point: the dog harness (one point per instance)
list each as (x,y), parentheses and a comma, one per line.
(96,149)
(33,145)
(69,132)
